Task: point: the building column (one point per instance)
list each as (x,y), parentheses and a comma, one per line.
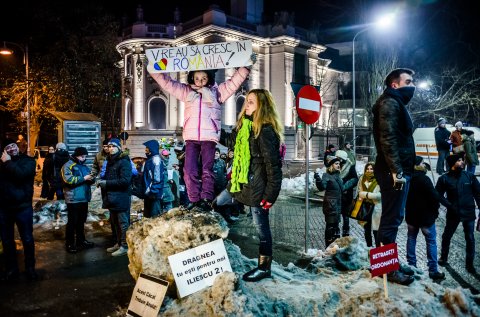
(138,92)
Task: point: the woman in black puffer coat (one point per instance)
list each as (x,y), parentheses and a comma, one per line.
(256,173)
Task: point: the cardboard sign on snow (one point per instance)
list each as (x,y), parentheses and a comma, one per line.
(147,297)
(384,259)
(196,269)
(199,57)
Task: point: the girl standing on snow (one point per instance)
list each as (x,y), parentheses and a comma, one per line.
(202,125)
(257,172)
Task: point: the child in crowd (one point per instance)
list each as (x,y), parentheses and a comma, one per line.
(202,125)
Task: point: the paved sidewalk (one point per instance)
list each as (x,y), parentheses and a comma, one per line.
(287,220)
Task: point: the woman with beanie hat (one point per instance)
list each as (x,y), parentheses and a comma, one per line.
(76,188)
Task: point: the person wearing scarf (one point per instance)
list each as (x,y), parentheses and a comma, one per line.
(369,190)
(393,135)
(256,172)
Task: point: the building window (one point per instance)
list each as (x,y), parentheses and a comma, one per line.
(157,114)
(299,69)
(345,118)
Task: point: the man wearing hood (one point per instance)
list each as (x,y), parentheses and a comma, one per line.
(393,135)
(118,194)
(463,191)
(17,172)
(152,178)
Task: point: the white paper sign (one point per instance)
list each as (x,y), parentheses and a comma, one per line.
(147,297)
(196,269)
(199,57)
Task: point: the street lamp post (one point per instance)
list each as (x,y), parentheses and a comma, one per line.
(6,51)
(354,128)
(386,21)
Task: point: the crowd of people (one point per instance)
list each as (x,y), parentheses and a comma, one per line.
(398,187)
(250,174)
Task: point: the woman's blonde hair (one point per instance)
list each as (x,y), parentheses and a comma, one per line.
(266,113)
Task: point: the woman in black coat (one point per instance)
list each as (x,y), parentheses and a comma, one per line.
(256,173)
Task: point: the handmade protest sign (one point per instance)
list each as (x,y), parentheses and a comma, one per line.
(384,259)
(147,296)
(199,57)
(197,268)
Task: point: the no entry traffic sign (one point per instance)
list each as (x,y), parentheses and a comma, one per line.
(308,104)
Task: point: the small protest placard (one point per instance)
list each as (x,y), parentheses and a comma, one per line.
(384,259)
(147,297)
(196,269)
(199,57)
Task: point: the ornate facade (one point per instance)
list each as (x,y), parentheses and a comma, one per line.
(285,55)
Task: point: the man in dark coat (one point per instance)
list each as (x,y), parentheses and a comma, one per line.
(17,172)
(463,191)
(393,135)
(118,194)
(442,140)
(421,211)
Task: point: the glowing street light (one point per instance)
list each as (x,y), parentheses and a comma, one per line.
(6,51)
(382,23)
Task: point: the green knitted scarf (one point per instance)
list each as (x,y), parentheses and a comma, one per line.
(241,159)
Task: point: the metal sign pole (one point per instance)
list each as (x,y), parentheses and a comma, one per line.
(307,169)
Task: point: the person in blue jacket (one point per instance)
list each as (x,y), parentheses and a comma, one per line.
(77,192)
(152,178)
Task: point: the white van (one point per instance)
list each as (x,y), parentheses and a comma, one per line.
(425,146)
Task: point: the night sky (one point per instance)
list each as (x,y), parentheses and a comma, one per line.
(446,30)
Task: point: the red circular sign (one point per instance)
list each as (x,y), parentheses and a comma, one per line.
(308,104)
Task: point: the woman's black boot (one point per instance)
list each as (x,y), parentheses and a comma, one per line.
(262,271)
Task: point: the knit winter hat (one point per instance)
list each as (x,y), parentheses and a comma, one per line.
(7,142)
(418,160)
(441,120)
(115,142)
(60,146)
(452,159)
(79,151)
(331,160)
(342,155)
(105,142)
(459,124)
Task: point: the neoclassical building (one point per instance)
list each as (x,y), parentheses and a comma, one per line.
(287,58)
